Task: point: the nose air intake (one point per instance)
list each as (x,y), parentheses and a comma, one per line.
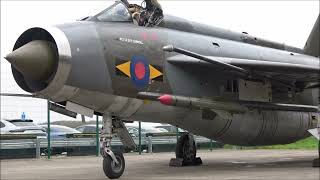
(35,60)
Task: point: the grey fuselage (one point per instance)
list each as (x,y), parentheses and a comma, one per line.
(88,74)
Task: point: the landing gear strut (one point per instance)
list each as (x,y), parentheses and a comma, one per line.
(113,162)
(186,151)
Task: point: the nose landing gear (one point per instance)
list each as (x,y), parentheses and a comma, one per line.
(113,162)
(186,151)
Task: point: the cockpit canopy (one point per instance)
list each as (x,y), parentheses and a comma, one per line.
(118,12)
(148,16)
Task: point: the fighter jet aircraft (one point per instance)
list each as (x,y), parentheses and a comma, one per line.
(231,87)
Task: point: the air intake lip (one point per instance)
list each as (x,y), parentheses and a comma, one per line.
(51,79)
(28,80)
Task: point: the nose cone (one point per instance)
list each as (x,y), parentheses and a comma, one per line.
(35,60)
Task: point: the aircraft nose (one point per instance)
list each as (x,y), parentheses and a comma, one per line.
(35,60)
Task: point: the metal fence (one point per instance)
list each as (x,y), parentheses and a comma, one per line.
(33,148)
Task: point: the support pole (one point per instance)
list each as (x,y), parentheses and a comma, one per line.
(97,137)
(150,144)
(38,154)
(140,148)
(48,132)
(177,134)
(83,119)
(211,145)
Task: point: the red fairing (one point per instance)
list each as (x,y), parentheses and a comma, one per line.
(166,99)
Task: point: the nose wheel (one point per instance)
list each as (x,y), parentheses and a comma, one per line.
(112,169)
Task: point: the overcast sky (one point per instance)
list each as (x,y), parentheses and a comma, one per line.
(288,22)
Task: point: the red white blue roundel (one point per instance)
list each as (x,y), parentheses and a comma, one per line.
(139,71)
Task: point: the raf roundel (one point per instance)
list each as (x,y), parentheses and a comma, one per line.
(139,71)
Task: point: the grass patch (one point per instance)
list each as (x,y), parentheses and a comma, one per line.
(308,143)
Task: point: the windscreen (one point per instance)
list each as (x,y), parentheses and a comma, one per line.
(116,13)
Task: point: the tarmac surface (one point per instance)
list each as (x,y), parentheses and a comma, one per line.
(219,164)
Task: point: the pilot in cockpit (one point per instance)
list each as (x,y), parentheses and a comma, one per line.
(152,5)
(149,16)
(156,13)
(136,13)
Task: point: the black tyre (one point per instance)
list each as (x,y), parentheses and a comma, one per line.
(111,169)
(186,150)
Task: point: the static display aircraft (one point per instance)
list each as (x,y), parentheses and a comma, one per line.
(231,87)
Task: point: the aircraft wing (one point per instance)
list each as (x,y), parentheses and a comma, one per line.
(283,72)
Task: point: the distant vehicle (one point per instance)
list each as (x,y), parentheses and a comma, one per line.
(19,126)
(134,130)
(170,128)
(58,131)
(162,129)
(173,129)
(88,129)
